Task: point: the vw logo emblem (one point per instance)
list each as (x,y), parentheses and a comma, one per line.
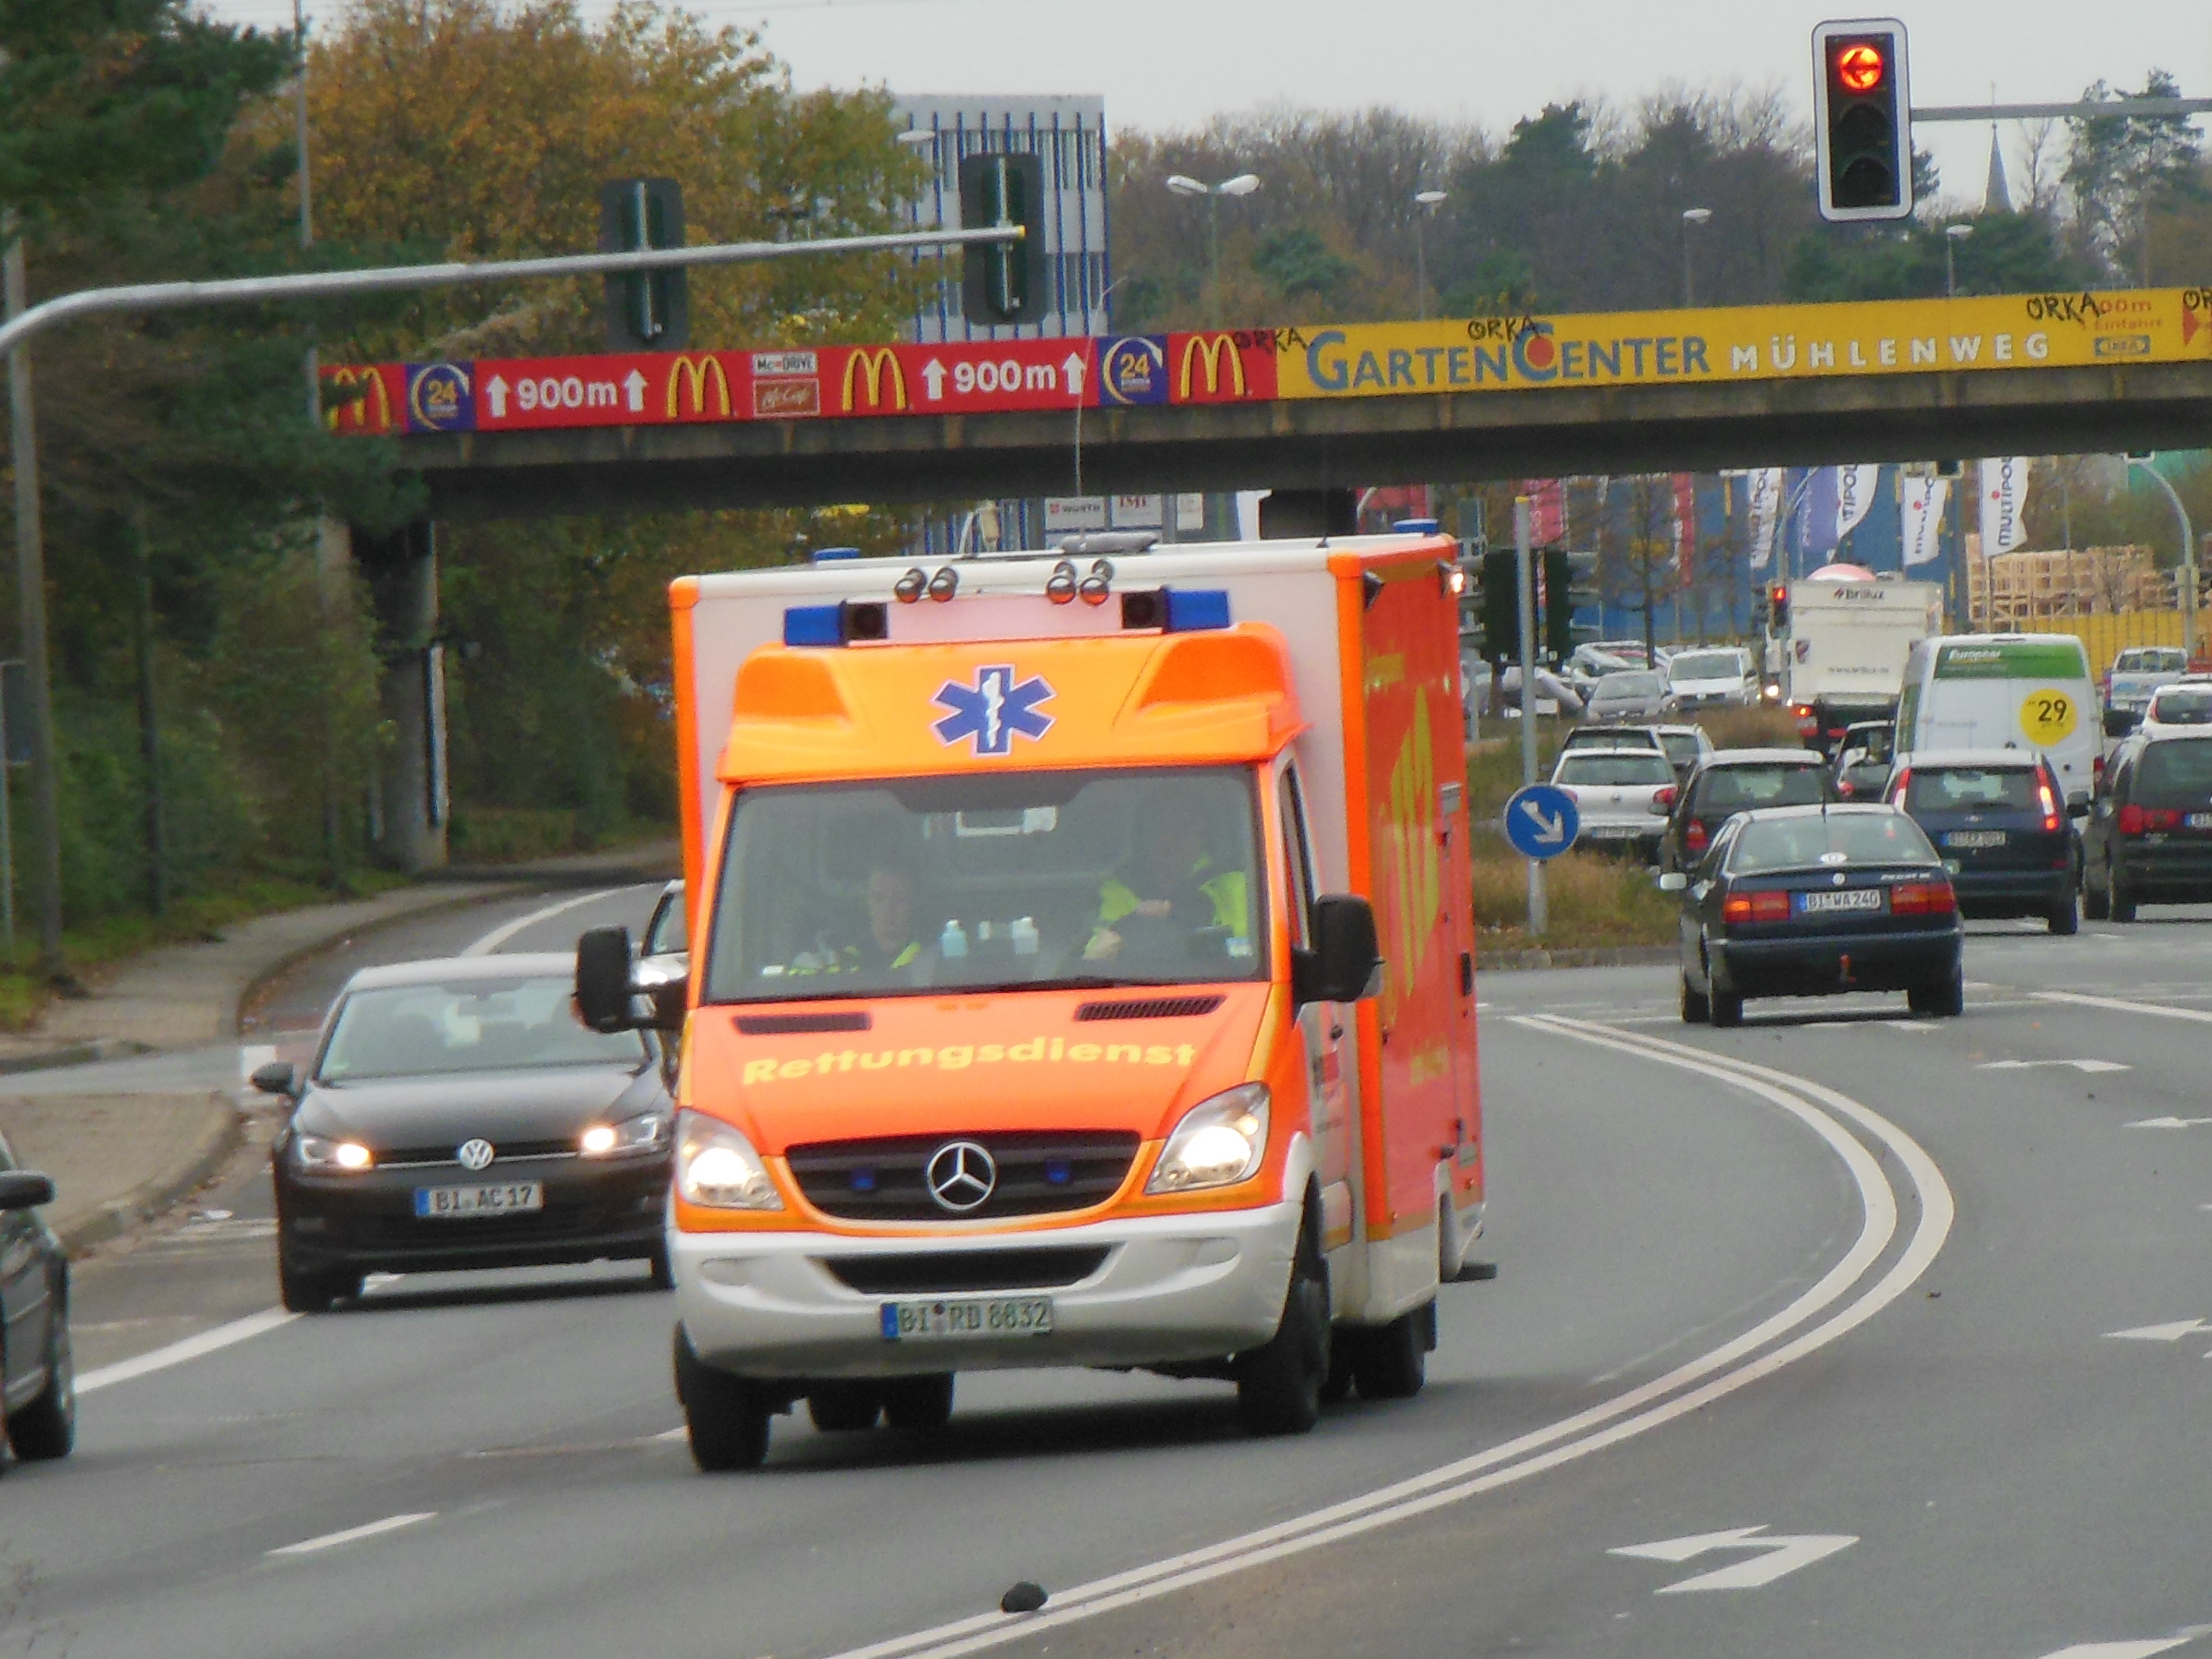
(475,1154)
(961,1176)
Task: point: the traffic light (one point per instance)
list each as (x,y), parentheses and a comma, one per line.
(1004,282)
(1570,582)
(1863,120)
(1778,609)
(1501,605)
(652,310)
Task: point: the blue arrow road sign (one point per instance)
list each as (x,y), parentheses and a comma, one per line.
(1541,821)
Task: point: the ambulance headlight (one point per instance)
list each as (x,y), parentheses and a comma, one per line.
(1218,1143)
(717,1167)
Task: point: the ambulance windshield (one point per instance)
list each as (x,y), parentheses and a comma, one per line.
(1001,880)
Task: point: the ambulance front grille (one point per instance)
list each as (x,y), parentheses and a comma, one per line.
(1036,1174)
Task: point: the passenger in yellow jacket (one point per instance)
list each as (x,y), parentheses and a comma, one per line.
(1172,879)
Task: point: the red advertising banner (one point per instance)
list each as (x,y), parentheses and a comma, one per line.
(1547,510)
(1222,366)
(1685,528)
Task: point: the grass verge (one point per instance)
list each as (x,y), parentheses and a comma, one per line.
(1596,902)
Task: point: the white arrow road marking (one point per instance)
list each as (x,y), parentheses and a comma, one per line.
(634,384)
(2168,1122)
(1074,368)
(2090,1066)
(1783,1555)
(933,378)
(1548,829)
(2171,1333)
(495,394)
(352,1535)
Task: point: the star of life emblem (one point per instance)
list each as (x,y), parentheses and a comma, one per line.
(994,711)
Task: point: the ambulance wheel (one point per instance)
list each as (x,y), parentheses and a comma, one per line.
(1279,1387)
(1696,1010)
(845,1408)
(919,1402)
(727,1416)
(1392,1363)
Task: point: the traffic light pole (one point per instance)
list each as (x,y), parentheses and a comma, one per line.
(1524,562)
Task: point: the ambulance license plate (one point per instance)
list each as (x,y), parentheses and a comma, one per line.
(497,1198)
(982,1317)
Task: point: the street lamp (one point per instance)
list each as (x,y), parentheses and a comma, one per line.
(1428,201)
(1953,235)
(2188,552)
(1691,217)
(1242,185)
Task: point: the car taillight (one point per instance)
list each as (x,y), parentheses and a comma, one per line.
(2051,821)
(1897,787)
(1662,798)
(1693,836)
(1923,899)
(2161,817)
(1767,904)
(2097,767)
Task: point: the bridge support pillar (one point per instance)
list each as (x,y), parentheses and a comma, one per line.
(408,826)
(1290,515)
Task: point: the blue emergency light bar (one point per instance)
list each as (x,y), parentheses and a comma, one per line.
(862,622)
(834,555)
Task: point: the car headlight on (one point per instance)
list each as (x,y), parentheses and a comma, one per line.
(1218,1143)
(642,1134)
(717,1167)
(325,1156)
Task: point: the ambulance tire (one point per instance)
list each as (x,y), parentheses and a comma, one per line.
(919,1402)
(727,1416)
(1391,1362)
(1279,1387)
(844,1408)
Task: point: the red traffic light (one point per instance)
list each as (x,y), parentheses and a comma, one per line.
(1781,594)
(1860,66)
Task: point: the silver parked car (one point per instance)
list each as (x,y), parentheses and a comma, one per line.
(1639,695)
(1622,796)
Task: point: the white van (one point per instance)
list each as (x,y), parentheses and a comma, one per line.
(2028,691)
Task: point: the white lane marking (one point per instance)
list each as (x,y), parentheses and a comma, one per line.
(1611,1421)
(354,1534)
(507,930)
(2169,1333)
(1780,1555)
(2121,1650)
(2168,1122)
(192,1347)
(2093,1067)
(2202,1016)
(1910,1025)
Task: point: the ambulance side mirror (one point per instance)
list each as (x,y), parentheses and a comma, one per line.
(1346,963)
(616,993)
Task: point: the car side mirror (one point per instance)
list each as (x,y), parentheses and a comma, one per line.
(1674,882)
(611,982)
(22,1189)
(2078,805)
(277,1078)
(1345,962)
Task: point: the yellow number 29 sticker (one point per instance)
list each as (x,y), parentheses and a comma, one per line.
(2049,717)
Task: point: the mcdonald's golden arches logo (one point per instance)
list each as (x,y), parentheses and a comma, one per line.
(1210,349)
(877,364)
(696,373)
(356,397)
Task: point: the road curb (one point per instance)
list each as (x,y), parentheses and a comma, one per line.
(225,1133)
(75,1053)
(1625,956)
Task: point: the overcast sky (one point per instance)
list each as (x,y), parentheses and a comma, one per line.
(1177,63)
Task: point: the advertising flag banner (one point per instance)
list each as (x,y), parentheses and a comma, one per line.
(1855,492)
(1763,513)
(1920,503)
(2004,503)
(1686,527)
(1547,510)
(1815,536)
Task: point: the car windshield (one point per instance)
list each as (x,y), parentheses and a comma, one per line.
(1972,789)
(1598,771)
(1706,665)
(2175,773)
(1740,788)
(2151,660)
(1681,746)
(1614,686)
(986,881)
(467,1025)
(2191,707)
(1831,839)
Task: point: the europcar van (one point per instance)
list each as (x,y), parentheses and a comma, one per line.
(2028,691)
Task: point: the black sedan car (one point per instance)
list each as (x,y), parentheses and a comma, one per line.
(1816,901)
(2149,840)
(1999,819)
(459,1115)
(38,1382)
(1732,780)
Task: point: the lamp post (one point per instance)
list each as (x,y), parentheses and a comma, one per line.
(1242,185)
(2188,552)
(1953,235)
(1427,201)
(1692,217)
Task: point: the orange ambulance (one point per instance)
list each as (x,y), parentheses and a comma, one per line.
(1082,974)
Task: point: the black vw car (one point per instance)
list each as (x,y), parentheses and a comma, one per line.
(2000,819)
(459,1115)
(38,1384)
(1816,901)
(1732,780)
(2149,840)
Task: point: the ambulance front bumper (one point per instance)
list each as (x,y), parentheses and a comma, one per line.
(1139,1292)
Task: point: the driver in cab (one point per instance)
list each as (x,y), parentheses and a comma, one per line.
(1170,881)
(887,946)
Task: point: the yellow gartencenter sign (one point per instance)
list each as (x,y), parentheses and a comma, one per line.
(1749,343)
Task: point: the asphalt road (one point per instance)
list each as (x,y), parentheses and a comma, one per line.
(1828,1301)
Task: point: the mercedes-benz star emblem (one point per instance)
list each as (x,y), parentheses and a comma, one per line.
(475,1154)
(961,1176)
